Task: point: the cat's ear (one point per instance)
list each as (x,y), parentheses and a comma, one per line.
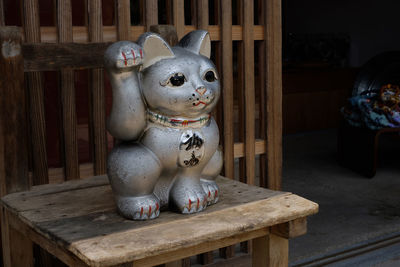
(155,49)
(198,42)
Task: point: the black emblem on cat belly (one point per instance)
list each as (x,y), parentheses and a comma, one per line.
(194,142)
(191,148)
(193,161)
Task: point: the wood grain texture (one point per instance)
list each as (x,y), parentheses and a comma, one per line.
(123,20)
(2,20)
(67,88)
(36,97)
(273,33)
(50,57)
(151,13)
(13,114)
(61,253)
(249,94)
(291,229)
(17,248)
(271,250)
(97,106)
(90,228)
(179,17)
(202,16)
(227,87)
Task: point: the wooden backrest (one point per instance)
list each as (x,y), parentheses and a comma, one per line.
(247,55)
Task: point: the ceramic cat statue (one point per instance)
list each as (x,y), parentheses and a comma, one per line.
(168,155)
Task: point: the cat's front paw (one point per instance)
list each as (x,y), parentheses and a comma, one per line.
(189,199)
(211,189)
(139,208)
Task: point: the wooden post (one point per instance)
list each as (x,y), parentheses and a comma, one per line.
(273,36)
(97,105)
(123,19)
(13,145)
(270,251)
(179,17)
(13,113)
(36,98)
(249,94)
(2,20)
(227,87)
(69,120)
(151,13)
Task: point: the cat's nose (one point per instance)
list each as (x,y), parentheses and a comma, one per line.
(201,90)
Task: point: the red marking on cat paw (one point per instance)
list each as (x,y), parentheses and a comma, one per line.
(198,203)
(149,210)
(157,206)
(123,54)
(209,193)
(190,204)
(200,102)
(141,53)
(216,193)
(141,211)
(133,55)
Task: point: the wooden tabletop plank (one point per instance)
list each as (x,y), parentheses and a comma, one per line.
(90,228)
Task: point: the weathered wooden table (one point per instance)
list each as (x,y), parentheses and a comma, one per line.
(77,222)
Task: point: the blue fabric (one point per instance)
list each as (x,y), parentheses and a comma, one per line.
(362,111)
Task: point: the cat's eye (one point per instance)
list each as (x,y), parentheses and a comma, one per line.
(177,79)
(210,76)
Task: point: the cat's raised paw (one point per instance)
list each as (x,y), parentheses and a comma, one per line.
(130,55)
(139,208)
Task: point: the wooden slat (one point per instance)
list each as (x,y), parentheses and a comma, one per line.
(13,113)
(17,248)
(13,147)
(273,33)
(179,17)
(270,250)
(202,14)
(69,121)
(249,95)
(151,13)
(51,57)
(2,20)
(36,97)
(97,96)
(123,19)
(291,229)
(80,33)
(227,87)
(262,110)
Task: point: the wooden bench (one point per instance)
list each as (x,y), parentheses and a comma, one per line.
(77,222)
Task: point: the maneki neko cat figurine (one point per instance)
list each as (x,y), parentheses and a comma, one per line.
(168,156)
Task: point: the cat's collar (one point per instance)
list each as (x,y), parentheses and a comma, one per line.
(177,122)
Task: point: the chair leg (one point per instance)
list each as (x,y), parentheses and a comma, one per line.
(271,250)
(17,248)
